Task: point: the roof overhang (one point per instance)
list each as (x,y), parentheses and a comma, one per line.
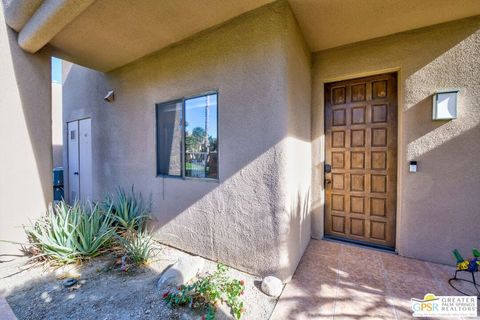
(332,23)
(107,34)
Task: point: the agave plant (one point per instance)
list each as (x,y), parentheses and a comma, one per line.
(69,233)
(52,235)
(139,246)
(129,211)
(93,231)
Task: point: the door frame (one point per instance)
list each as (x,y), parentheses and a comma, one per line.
(400,151)
(66,162)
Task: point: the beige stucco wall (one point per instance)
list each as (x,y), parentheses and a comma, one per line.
(25,137)
(298,147)
(256,216)
(439,206)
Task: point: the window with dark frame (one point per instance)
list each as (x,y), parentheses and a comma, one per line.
(169,138)
(187,137)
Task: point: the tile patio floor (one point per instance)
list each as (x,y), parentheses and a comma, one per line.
(342,281)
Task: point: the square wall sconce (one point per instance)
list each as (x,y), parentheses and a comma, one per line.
(445,105)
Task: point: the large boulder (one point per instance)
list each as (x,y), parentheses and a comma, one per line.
(272,286)
(181,272)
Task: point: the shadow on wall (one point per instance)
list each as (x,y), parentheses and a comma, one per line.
(237,219)
(440,197)
(447,171)
(32,74)
(25,136)
(233,224)
(71,79)
(443,193)
(224,217)
(291,239)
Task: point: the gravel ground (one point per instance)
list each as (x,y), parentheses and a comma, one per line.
(105,292)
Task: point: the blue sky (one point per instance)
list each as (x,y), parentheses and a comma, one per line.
(195,114)
(56,70)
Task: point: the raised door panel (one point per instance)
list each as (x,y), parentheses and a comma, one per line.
(361,142)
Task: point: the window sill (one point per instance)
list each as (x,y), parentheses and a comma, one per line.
(217,180)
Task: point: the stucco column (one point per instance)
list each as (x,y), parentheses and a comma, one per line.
(25,136)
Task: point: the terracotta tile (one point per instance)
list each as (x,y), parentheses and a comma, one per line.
(355,249)
(411,286)
(361,258)
(464,286)
(402,307)
(370,281)
(358,303)
(318,288)
(367,273)
(406,266)
(317,267)
(441,272)
(402,288)
(315,270)
(300,309)
(370,276)
(371,287)
(322,258)
(323,248)
(300,301)
(350,282)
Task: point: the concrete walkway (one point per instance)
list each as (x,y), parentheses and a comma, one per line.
(342,281)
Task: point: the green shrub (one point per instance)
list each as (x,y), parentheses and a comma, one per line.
(69,233)
(208,292)
(129,211)
(139,246)
(93,230)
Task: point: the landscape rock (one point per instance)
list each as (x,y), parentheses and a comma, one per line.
(272,286)
(67,271)
(69,282)
(181,272)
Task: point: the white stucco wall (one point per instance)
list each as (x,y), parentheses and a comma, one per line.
(256,217)
(25,137)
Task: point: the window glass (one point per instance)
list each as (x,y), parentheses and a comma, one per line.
(169,138)
(201,140)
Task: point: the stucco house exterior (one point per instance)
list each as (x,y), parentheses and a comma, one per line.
(308,118)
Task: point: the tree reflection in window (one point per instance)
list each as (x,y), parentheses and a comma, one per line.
(201,140)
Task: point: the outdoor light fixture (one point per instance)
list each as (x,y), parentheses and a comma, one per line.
(413,166)
(445,105)
(110,96)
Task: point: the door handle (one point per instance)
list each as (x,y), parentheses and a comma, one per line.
(327,182)
(75,173)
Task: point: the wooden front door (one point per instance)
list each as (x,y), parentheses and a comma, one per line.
(361,159)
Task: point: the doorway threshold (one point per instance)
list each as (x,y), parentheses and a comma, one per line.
(361,244)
